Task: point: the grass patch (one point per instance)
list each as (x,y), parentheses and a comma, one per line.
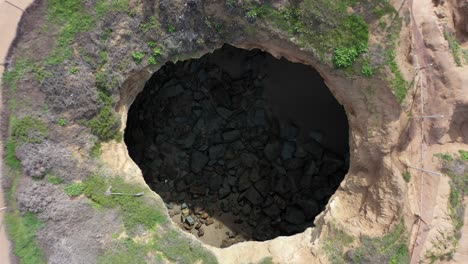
(62,122)
(445,248)
(444,156)
(96,151)
(367,70)
(138,56)
(74,189)
(106,124)
(23,130)
(134,211)
(406,176)
(75,19)
(267,260)
(22,230)
(398,83)
(12,76)
(391,248)
(178,249)
(54,179)
(463,155)
(335,243)
(454,47)
(10,158)
(28,130)
(323,26)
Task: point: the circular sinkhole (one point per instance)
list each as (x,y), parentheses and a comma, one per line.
(239,145)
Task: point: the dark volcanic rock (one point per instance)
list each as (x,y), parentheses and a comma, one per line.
(294,215)
(198,161)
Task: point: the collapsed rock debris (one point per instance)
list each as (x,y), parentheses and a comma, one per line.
(209,141)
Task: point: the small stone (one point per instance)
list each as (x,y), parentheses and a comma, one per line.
(249,159)
(294,164)
(216,152)
(272,211)
(288,150)
(185,212)
(231,136)
(288,131)
(294,216)
(309,207)
(253,196)
(311,169)
(198,225)
(189,220)
(209,221)
(198,96)
(171,91)
(259,118)
(200,232)
(272,150)
(224,112)
(204,215)
(246,209)
(187,226)
(223,193)
(254,175)
(244,181)
(198,161)
(263,187)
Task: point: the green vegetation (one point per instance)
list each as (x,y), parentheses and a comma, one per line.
(62,121)
(454,46)
(335,243)
(444,156)
(367,70)
(170,245)
(10,158)
(74,70)
(106,124)
(152,24)
(28,130)
(138,56)
(463,154)
(96,151)
(54,179)
(268,260)
(458,190)
(22,230)
(104,7)
(74,189)
(391,248)
(74,19)
(171,29)
(406,176)
(323,26)
(134,211)
(398,83)
(12,77)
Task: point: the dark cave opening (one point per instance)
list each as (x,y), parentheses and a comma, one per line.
(240,145)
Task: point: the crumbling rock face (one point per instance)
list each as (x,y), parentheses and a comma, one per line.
(211,144)
(461,18)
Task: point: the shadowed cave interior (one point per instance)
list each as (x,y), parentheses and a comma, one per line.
(239,145)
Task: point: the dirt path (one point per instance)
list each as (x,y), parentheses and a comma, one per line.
(10,15)
(433,186)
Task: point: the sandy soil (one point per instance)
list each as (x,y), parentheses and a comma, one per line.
(429,47)
(9,19)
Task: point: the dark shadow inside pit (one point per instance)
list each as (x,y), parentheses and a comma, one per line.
(240,145)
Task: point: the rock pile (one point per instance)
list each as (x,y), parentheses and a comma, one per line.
(204,139)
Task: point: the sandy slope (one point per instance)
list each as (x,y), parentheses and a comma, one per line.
(9,18)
